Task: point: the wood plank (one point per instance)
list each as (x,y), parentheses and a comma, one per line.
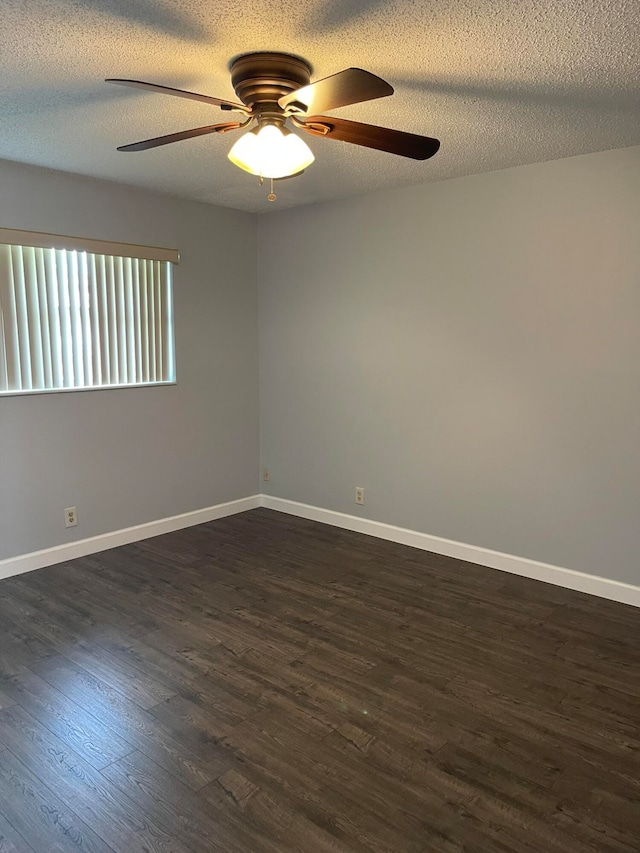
(19,647)
(5,699)
(10,840)
(192,818)
(130,722)
(94,799)
(56,636)
(39,815)
(85,734)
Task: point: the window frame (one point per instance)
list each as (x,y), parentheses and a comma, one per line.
(120,252)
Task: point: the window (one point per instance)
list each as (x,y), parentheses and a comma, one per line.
(80,314)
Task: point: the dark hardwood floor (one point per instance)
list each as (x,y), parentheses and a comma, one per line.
(265,683)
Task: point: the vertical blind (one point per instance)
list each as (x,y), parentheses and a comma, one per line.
(79,319)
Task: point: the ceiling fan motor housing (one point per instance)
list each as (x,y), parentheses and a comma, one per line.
(261,79)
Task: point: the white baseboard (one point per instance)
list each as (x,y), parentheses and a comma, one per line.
(82,547)
(568,578)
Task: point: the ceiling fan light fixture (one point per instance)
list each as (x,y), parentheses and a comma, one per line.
(270,151)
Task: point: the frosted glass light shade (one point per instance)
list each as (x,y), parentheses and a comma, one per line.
(271,152)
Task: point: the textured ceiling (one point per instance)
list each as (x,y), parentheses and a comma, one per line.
(499,82)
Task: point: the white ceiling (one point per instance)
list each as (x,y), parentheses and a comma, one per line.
(499,82)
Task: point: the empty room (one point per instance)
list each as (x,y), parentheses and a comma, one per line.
(319,419)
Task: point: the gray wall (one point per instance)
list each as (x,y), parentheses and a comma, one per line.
(124,457)
(469,352)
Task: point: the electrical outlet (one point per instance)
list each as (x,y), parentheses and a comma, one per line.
(360,495)
(70,517)
(265,475)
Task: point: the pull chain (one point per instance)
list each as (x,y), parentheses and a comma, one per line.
(272,196)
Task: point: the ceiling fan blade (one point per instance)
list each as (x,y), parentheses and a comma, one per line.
(382,138)
(180,93)
(178,137)
(351,86)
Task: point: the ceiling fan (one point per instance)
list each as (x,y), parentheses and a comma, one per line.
(275,88)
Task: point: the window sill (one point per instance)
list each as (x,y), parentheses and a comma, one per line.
(26,392)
